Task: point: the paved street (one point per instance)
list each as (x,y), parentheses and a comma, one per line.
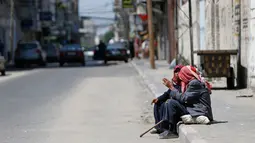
(92,104)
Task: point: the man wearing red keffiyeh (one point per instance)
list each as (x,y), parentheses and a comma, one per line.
(193,100)
(189,73)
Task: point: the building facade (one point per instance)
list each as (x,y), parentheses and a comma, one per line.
(87,31)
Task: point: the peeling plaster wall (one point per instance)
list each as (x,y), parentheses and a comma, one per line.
(184,35)
(251,50)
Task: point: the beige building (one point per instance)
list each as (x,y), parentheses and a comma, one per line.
(223,31)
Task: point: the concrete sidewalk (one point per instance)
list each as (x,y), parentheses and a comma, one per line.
(238,112)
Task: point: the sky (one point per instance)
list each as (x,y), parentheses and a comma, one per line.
(97,8)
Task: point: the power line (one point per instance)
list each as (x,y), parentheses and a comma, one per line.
(96,17)
(100,12)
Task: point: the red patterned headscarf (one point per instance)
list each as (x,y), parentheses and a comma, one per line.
(189,73)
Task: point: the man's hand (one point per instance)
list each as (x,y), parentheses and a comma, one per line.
(154,101)
(168,83)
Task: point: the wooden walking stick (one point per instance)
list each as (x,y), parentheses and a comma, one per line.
(151,128)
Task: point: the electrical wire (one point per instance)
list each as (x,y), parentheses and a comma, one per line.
(100,12)
(102,18)
(183,11)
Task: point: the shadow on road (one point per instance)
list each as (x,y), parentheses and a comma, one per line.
(7,74)
(89,64)
(224,88)
(13,68)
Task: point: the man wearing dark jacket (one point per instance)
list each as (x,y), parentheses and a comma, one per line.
(194,100)
(159,102)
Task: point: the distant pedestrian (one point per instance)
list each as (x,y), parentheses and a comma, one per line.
(102,49)
(145,48)
(137,48)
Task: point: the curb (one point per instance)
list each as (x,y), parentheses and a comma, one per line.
(187,134)
(149,85)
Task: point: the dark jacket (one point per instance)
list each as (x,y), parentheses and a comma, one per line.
(102,50)
(166,95)
(102,47)
(196,99)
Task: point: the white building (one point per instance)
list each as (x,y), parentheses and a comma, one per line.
(5,30)
(87,31)
(223,31)
(184,32)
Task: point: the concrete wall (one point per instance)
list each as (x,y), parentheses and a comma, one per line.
(251,50)
(5,28)
(220,30)
(223,31)
(89,31)
(184,40)
(202,24)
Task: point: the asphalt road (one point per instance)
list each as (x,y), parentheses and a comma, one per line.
(92,104)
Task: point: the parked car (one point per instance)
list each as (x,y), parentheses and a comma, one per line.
(116,52)
(126,44)
(71,53)
(30,53)
(2,65)
(90,52)
(52,53)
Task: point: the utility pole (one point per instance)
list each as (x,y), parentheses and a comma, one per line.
(151,35)
(11,29)
(191,33)
(171,30)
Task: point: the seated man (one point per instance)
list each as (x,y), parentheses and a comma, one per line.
(159,102)
(194,100)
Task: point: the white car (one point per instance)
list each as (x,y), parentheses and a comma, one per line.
(89,53)
(28,53)
(2,65)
